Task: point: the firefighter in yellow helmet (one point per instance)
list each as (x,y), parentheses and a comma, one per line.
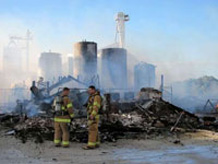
(93,106)
(63,115)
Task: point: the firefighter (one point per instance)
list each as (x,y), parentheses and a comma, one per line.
(216,107)
(93,107)
(63,115)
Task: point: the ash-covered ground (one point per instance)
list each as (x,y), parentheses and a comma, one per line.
(191,148)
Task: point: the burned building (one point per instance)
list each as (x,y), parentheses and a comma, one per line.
(50,66)
(113,68)
(85,63)
(144,76)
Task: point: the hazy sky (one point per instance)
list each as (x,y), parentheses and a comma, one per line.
(179,36)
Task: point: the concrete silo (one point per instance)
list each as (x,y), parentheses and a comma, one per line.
(113,68)
(85,60)
(144,76)
(50,66)
(12,59)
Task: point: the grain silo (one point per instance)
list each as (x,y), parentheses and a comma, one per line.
(12,59)
(113,68)
(85,60)
(50,66)
(144,76)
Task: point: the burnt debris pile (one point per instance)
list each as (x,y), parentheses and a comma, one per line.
(37,128)
(152,117)
(119,120)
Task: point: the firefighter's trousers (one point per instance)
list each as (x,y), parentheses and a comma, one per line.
(94,138)
(61,132)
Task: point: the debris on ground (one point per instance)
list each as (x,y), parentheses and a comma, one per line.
(136,119)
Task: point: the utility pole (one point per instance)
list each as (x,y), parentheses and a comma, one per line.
(167,91)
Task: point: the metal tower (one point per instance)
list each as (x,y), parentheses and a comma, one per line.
(121,18)
(27,38)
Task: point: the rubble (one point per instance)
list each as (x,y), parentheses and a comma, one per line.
(9,119)
(38,128)
(136,119)
(152,113)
